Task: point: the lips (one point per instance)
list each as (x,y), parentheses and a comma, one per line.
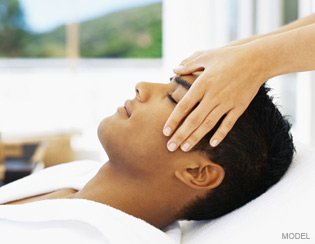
(127,108)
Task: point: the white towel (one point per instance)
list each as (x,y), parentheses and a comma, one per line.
(70,220)
(69,175)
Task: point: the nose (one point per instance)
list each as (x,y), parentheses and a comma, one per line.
(142,91)
(147,90)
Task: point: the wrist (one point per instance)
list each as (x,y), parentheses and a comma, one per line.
(262,57)
(242,41)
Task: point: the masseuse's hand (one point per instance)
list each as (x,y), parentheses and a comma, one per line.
(230,79)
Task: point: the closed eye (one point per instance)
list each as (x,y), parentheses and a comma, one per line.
(171,99)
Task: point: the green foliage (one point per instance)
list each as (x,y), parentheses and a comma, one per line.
(133,33)
(47,45)
(12,33)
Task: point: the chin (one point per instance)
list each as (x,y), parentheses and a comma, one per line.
(110,134)
(103,131)
(120,151)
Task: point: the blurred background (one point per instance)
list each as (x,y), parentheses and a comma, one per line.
(67,64)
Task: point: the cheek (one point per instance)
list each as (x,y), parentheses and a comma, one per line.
(147,131)
(149,123)
(139,139)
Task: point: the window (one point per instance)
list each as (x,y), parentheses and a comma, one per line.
(80,28)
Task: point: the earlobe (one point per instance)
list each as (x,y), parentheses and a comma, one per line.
(202,177)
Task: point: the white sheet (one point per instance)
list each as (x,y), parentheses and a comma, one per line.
(72,220)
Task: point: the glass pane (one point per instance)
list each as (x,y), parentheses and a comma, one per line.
(290,11)
(80,28)
(133,32)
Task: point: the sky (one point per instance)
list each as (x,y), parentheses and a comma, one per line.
(45,15)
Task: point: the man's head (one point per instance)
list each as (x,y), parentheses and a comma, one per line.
(206,182)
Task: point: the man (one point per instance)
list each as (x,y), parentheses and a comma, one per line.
(252,158)
(142,178)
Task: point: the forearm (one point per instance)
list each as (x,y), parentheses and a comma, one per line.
(291,26)
(286,52)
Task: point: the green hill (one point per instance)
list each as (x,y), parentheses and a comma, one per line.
(134,32)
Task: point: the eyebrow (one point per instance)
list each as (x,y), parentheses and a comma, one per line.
(182,82)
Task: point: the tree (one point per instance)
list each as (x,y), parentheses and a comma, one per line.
(12,28)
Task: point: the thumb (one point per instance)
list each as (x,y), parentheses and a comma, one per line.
(188,68)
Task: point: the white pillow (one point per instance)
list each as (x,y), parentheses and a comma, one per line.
(285,213)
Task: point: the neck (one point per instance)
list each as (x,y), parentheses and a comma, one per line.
(145,200)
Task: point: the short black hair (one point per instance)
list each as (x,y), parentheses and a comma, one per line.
(255,154)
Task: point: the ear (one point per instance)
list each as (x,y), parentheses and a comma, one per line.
(204,175)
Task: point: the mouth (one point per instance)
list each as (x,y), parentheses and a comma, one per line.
(127,108)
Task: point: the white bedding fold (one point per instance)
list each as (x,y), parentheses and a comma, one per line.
(71,220)
(102,223)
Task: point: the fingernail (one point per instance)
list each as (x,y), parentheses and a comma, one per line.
(214,142)
(178,68)
(185,147)
(167,131)
(171,146)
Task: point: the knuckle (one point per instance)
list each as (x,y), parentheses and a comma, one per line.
(173,122)
(229,124)
(183,108)
(193,122)
(242,103)
(208,123)
(221,133)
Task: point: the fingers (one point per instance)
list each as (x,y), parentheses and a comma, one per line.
(195,121)
(207,124)
(186,138)
(188,69)
(189,65)
(225,127)
(185,105)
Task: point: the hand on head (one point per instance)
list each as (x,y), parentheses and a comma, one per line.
(230,79)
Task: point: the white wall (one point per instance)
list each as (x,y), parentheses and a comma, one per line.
(35,101)
(185,28)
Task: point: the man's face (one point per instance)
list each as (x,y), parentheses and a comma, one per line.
(133,137)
